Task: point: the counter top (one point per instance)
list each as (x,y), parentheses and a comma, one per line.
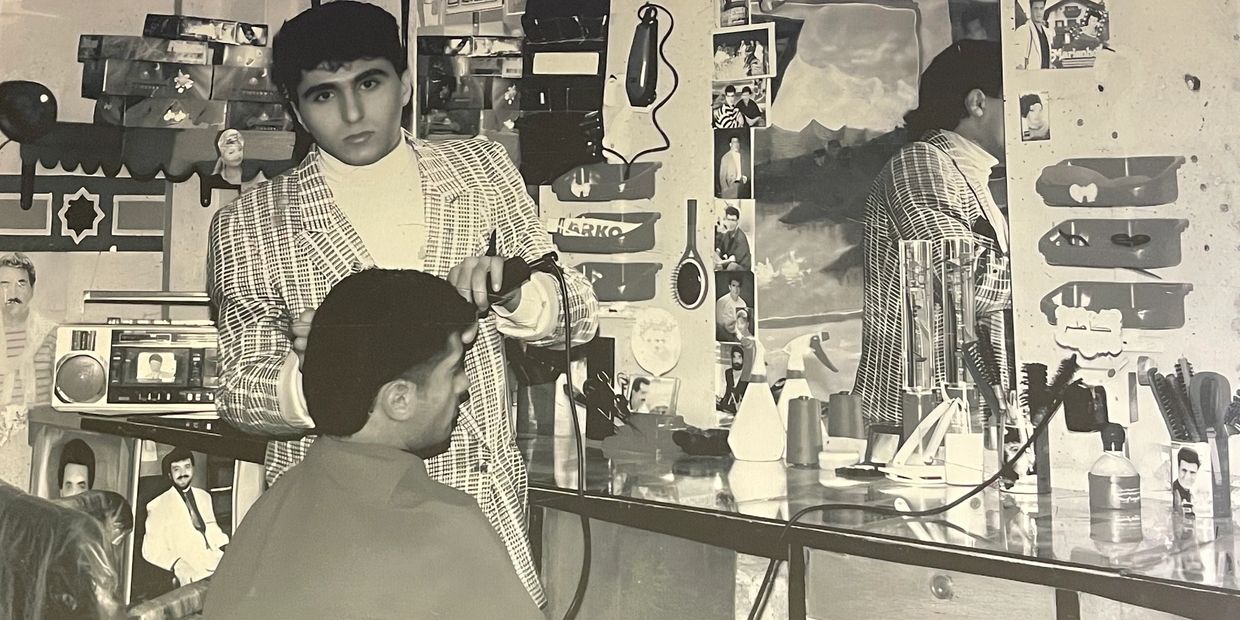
(1185,566)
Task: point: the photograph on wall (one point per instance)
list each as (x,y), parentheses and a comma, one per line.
(734,235)
(733,12)
(736,105)
(1063,34)
(91,472)
(744,52)
(647,394)
(733,163)
(183,518)
(734,306)
(836,117)
(733,363)
(1035,117)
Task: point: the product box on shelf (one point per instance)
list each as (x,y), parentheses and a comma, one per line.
(111,76)
(204,29)
(257,116)
(245,84)
(167,113)
(99,46)
(244,56)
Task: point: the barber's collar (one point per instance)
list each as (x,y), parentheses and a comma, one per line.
(974,161)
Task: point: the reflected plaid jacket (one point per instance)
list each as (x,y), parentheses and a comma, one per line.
(922,194)
(279,248)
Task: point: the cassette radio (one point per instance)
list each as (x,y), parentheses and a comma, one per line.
(146,367)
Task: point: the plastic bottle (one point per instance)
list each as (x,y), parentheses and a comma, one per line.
(757,434)
(1114,483)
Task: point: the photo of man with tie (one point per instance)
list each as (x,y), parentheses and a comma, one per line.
(182,535)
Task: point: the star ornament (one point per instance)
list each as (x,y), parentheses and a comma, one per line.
(80,215)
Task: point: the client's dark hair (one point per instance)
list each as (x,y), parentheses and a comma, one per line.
(375,326)
(77,452)
(965,65)
(333,34)
(178,454)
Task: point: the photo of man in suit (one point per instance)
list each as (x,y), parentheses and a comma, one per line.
(733,166)
(182,535)
(1032,37)
(369,194)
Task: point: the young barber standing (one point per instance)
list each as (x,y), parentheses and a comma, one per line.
(369,194)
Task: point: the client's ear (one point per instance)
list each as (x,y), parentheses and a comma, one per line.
(396,398)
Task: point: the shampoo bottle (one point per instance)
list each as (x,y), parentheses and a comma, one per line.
(1114,483)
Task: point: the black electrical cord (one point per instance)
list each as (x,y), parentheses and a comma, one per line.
(584,579)
(654,113)
(768,581)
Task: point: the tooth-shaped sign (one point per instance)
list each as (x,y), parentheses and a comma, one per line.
(1091,333)
(1084,193)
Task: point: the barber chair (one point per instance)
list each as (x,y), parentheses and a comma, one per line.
(58,563)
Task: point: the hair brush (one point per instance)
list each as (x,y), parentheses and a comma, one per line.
(1164,394)
(689,279)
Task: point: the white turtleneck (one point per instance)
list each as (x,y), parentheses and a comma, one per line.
(383,202)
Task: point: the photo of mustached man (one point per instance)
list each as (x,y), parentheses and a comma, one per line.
(182,535)
(26,344)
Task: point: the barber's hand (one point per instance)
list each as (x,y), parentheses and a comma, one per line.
(301,335)
(470,280)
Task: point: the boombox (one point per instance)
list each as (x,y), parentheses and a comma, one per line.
(136,367)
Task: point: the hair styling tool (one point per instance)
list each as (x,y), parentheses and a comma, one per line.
(518,272)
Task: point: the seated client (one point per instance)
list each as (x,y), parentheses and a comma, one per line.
(358,529)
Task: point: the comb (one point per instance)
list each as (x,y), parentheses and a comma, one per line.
(1163,395)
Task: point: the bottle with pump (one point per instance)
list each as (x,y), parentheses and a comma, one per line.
(1114,483)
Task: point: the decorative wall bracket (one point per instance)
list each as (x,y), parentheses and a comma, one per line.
(145,153)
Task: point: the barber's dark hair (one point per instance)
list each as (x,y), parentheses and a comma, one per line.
(333,34)
(1027,102)
(731,210)
(77,452)
(178,454)
(374,327)
(1189,455)
(964,66)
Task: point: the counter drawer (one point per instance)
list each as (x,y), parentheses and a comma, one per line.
(846,586)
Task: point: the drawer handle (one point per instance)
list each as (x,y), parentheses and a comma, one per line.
(941,587)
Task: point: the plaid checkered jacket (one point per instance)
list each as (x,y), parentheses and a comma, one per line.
(921,194)
(277,250)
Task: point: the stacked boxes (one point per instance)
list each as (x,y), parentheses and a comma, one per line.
(184,73)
